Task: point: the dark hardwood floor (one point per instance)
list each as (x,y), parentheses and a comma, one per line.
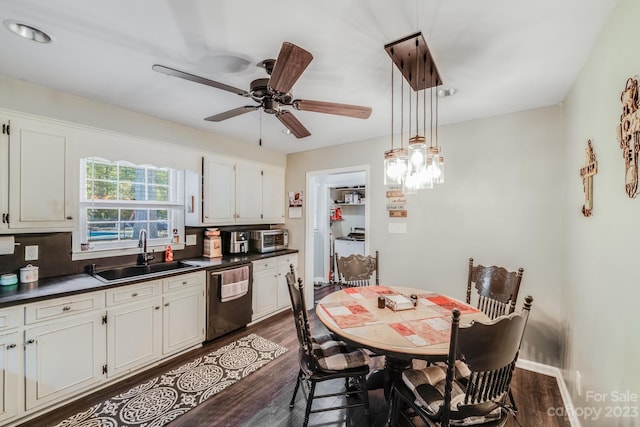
(262,399)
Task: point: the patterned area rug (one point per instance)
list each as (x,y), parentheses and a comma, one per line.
(166,397)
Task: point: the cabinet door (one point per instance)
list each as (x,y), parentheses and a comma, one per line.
(41,187)
(63,357)
(265,289)
(218,190)
(248,193)
(284,266)
(183,320)
(4,175)
(273,195)
(10,374)
(134,336)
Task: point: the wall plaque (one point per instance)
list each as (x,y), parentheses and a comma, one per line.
(629,135)
(587,172)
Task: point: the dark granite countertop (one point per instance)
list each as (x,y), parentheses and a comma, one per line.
(54,287)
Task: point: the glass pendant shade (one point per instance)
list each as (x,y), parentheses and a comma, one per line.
(395,166)
(416,177)
(435,165)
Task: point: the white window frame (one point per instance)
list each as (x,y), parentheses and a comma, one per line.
(82,249)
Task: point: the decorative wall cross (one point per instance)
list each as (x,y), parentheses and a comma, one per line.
(587,172)
(629,135)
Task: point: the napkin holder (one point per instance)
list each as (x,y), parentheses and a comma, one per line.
(398,302)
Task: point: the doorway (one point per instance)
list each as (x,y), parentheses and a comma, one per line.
(319,237)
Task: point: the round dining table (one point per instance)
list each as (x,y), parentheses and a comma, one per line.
(400,323)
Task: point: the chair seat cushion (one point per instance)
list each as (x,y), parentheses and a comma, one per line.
(428,385)
(334,355)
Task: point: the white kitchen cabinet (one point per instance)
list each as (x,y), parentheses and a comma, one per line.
(134,327)
(10,375)
(218,190)
(4,174)
(273,195)
(270,289)
(42,189)
(184,312)
(234,191)
(284,266)
(248,193)
(63,357)
(265,287)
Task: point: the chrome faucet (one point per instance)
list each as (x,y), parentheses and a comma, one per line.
(143,257)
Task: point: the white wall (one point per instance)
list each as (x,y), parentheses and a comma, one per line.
(501,203)
(601,253)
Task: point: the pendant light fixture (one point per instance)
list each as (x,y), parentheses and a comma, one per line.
(425,164)
(395,159)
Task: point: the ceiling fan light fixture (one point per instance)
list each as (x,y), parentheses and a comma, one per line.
(26,31)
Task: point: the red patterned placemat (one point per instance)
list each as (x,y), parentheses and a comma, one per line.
(360,292)
(349,314)
(423,332)
(446,304)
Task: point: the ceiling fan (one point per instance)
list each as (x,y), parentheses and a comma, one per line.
(274,92)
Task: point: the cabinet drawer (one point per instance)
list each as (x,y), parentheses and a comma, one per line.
(61,307)
(10,318)
(183,281)
(285,261)
(133,293)
(264,264)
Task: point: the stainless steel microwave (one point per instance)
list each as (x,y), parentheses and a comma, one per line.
(269,240)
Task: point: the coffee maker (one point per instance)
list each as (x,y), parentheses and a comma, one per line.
(235,242)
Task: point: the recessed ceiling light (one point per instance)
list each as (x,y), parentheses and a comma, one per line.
(27,31)
(447,91)
(286,131)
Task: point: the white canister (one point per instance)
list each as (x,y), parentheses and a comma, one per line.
(29,274)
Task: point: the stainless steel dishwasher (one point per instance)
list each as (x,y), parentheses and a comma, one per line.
(229,299)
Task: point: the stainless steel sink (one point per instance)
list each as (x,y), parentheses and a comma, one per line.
(140,271)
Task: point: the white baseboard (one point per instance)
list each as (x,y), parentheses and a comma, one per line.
(552,371)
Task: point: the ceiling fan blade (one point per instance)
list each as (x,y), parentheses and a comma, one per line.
(357,111)
(232,113)
(292,61)
(177,73)
(293,124)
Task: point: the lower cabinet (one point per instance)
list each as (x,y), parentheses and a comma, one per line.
(265,287)
(270,290)
(134,336)
(183,319)
(10,375)
(63,357)
(74,344)
(284,266)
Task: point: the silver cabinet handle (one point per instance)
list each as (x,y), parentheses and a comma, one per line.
(166,304)
(69,217)
(157,307)
(66,308)
(10,346)
(31,341)
(135,294)
(185,282)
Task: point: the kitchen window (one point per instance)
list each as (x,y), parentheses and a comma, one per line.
(119,199)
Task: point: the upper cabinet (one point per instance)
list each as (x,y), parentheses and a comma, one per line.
(40,180)
(235,192)
(218,190)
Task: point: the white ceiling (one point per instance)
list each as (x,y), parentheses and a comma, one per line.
(501,55)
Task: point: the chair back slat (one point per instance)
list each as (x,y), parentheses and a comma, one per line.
(301,319)
(490,351)
(358,270)
(495,284)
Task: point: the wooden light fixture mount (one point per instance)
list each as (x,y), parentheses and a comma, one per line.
(413,58)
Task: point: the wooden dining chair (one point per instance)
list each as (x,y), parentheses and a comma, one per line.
(473,386)
(358,270)
(497,288)
(323,358)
